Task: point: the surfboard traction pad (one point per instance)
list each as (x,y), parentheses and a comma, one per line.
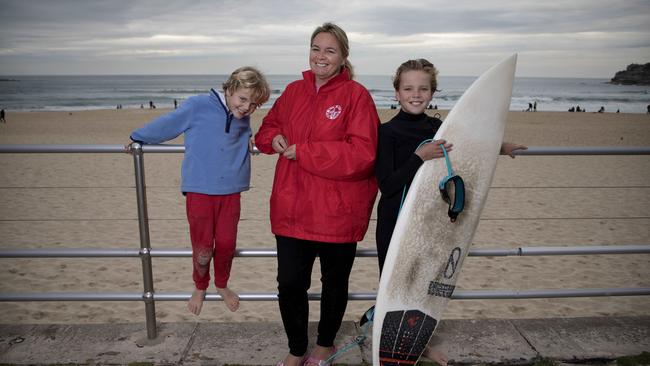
(404,336)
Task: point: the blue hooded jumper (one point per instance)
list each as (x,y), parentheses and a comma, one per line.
(216,161)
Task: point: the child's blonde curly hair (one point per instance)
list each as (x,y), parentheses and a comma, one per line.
(250,78)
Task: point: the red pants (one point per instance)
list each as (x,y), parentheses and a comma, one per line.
(213,230)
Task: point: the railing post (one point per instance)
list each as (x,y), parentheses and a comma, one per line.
(145,243)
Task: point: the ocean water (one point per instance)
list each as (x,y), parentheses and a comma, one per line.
(52,93)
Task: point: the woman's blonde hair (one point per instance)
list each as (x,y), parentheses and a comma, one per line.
(250,78)
(342,40)
(419,64)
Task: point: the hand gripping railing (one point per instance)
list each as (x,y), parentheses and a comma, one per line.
(146,252)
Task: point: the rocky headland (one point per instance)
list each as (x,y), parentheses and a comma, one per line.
(635,74)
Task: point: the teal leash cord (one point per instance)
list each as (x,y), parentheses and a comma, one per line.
(404,191)
(450,172)
(356,342)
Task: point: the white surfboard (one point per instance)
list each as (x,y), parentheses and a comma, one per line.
(427,250)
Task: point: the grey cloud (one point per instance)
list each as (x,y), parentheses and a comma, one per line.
(508,16)
(277,31)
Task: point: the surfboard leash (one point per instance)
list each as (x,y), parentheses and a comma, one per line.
(406,185)
(365,322)
(458,204)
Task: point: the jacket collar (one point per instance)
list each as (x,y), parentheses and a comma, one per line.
(221,99)
(332,83)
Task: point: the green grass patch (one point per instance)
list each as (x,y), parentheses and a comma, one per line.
(546,362)
(639,360)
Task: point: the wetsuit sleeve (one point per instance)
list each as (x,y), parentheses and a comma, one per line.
(390,177)
(165,127)
(271,126)
(353,157)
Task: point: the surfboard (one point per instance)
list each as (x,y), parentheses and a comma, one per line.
(427,250)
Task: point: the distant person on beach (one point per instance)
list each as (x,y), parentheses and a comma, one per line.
(2,116)
(324,130)
(530,107)
(601,110)
(175,104)
(216,169)
(648,108)
(398,154)
(535,106)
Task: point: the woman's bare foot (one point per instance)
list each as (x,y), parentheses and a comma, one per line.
(230,298)
(196,301)
(438,357)
(291,360)
(319,353)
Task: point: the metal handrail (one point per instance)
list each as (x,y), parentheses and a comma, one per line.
(266,253)
(361,296)
(145,253)
(170,148)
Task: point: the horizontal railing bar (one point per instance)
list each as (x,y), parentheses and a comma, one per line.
(458,295)
(550,293)
(568,250)
(68,253)
(167,148)
(163,148)
(360,296)
(56,149)
(266,253)
(595,150)
(73,296)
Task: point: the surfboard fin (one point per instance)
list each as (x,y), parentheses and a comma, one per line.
(367,316)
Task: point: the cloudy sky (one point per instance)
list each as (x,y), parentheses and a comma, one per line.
(554,38)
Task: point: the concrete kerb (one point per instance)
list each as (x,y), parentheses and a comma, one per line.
(583,339)
(489,341)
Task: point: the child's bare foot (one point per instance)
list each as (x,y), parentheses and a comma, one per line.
(439,357)
(196,301)
(230,298)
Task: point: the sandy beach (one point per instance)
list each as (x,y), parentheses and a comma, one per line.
(88,201)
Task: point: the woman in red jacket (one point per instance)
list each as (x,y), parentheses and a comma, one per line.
(324,128)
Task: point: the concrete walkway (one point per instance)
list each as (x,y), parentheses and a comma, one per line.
(262,343)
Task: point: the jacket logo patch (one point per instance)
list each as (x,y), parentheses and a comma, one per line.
(333,111)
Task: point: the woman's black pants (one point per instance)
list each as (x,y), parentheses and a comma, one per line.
(296,258)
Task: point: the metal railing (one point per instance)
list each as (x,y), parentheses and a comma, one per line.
(145,253)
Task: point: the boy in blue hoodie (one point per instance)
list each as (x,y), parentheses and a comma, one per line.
(215,169)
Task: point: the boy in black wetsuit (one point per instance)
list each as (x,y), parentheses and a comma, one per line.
(400,152)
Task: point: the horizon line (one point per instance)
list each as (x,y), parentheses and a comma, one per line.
(3,77)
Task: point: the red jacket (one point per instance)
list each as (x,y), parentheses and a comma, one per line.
(327,193)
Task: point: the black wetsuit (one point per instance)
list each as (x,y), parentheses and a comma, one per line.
(396,166)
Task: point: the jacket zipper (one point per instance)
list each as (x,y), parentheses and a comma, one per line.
(312,115)
(229,115)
